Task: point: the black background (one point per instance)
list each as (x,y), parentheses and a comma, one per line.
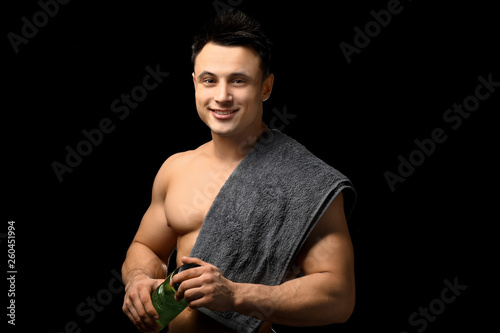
(358,116)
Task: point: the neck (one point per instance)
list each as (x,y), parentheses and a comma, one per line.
(236,147)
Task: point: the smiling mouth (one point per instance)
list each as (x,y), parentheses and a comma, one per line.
(222,112)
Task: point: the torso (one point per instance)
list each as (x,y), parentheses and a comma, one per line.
(194,181)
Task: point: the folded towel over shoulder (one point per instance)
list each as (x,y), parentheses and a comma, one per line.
(263,214)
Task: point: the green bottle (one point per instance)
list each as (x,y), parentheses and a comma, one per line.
(163,299)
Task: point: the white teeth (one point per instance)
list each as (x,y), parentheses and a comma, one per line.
(225,112)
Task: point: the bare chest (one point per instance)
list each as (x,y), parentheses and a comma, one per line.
(189,197)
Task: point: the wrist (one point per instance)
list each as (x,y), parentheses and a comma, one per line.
(238,296)
(134,276)
(252,299)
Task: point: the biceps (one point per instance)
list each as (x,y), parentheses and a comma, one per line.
(329,246)
(155,233)
(332,253)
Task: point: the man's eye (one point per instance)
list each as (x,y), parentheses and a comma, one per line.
(208,81)
(239,82)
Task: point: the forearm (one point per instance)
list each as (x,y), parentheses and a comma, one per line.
(312,300)
(141,260)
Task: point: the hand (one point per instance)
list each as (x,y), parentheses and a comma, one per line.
(137,304)
(204,286)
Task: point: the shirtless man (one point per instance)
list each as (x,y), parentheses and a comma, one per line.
(231,82)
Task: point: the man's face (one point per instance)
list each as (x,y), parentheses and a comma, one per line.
(229,89)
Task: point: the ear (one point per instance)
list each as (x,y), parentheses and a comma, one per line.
(194,80)
(267,87)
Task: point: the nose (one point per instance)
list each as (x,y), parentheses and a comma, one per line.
(222,94)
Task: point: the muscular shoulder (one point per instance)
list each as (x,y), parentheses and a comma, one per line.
(176,163)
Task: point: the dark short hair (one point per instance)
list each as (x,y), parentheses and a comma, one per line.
(234,28)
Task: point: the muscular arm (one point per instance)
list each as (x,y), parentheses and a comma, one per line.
(325,295)
(154,241)
(147,258)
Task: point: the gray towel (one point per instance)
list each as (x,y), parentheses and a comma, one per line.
(263,214)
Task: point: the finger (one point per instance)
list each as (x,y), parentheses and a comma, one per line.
(151,316)
(196,304)
(188,284)
(185,275)
(193,294)
(135,319)
(139,308)
(192,260)
(150,309)
(129,310)
(196,298)
(143,316)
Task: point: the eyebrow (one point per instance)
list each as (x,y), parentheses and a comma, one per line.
(207,73)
